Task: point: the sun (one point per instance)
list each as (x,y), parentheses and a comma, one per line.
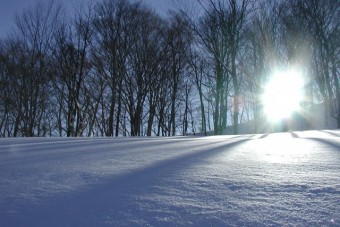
(282,95)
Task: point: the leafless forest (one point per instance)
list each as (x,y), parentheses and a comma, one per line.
(117,68)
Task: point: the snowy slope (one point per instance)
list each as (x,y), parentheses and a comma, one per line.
(248,180)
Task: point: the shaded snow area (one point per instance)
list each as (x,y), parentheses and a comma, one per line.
(250,180)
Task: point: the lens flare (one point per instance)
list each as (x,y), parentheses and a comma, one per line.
(282,95)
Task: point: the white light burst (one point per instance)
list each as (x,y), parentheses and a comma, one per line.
(282,95)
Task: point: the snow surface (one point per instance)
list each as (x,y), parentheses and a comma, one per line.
(249,180)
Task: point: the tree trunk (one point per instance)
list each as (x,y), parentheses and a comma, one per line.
(119,110)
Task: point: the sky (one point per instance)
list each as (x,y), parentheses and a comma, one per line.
(9,8)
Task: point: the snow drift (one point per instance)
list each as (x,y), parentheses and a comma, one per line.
(248,180)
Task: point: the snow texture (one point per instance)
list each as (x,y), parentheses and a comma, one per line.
(290,179)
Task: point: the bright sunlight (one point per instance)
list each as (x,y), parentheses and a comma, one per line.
(282,95)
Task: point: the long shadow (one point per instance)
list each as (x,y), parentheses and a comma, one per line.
(327,142)
(321,140)
(69,142)
(113,200)
(330,133)
(72,148)
(294,135)
(264,136)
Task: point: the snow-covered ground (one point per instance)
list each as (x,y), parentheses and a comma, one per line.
(249,180)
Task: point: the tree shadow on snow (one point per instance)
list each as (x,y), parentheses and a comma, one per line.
(112,201)
(331,133)
(330,143)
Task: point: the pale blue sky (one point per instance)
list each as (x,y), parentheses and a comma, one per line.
(8,9)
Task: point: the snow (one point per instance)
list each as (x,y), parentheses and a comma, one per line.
(249,180)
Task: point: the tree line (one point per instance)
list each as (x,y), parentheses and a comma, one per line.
(117,68)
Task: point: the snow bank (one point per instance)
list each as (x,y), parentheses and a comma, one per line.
(248,180)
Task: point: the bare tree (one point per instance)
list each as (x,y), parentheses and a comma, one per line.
(315,25)
(9,89)
(323,21)
(198,65)
(35,29)
(71,57)
(179,41)
(111,24)
(220,31)
(142,63)
(260,54)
